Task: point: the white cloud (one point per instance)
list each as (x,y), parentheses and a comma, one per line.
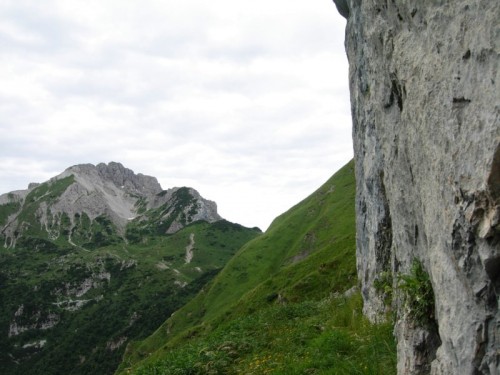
(245,101)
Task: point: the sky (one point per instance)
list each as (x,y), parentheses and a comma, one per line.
(245,101)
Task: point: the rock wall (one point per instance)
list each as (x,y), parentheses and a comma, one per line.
(425,85)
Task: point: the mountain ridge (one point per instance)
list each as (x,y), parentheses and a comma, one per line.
(108,190)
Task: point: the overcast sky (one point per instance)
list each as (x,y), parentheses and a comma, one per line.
(245,101)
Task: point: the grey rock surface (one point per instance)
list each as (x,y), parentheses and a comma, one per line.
(425,83)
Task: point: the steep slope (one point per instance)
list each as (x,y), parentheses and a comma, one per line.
(425,85)
(282,285)
(76,285)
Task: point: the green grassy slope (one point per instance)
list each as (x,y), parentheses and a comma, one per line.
(278,306)
(71,310)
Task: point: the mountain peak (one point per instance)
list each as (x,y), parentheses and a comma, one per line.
(116,173)
(109,192)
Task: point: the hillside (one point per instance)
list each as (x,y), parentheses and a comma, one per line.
(287,303)
(96,257)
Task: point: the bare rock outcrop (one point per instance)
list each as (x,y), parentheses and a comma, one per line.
(425,83)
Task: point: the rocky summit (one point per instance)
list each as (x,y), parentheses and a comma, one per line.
(424,83)
(71,206)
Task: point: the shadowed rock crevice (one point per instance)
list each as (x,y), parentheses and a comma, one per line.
(342,7)
(494,176)
(384,232)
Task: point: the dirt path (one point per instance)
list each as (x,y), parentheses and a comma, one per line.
(189,249)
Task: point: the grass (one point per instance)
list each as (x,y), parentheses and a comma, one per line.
(418,295)
(277,306)
(329,336)
(143,287)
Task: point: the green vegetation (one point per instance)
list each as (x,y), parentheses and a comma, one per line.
(82,231)
(103,233)
(98,300)
(28,215)
(158,220)
(278,306)
(311,337)
(8,209)
(383,285)
(418,295)
(75,293)
(50,191)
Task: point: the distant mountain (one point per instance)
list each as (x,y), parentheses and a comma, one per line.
(91,206)
(98,256)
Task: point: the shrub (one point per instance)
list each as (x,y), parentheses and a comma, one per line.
(418,294)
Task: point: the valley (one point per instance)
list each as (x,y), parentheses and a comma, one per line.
(77,285)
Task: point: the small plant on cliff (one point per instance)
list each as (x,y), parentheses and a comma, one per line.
(383,286)
(418,294)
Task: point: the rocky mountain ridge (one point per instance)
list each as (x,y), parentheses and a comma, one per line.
(72,201)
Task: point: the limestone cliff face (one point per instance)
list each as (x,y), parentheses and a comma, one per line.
(425,82)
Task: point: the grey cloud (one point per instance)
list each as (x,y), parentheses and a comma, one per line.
(50,33)
(232,106)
